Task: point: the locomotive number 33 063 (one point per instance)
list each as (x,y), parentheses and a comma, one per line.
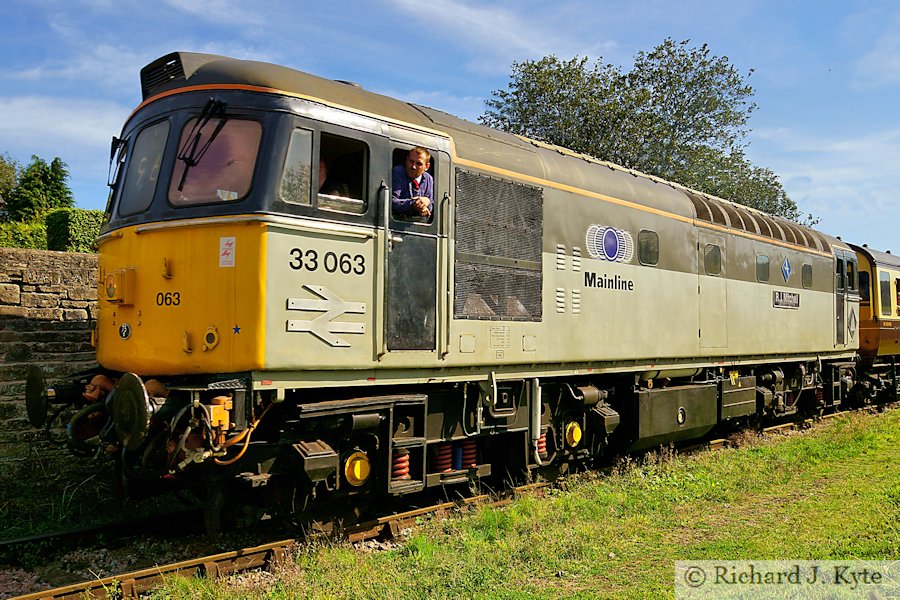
(309,260)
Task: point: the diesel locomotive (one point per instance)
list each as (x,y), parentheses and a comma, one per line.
(257,339)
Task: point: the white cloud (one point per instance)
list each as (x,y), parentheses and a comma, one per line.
(495,36)
(850,183)
(466,107)
(102,66)
(34,122)
(229,12)
(880,66)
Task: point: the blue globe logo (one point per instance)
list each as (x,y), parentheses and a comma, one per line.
(610,244)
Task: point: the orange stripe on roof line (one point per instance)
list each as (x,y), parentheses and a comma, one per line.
(479,165)
(636,206)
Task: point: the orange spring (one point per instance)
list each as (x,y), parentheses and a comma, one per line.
(542,445)
(820,394)
(469,454)
(442,459)
(400,464)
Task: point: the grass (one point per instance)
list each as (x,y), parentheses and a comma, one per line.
(830,493)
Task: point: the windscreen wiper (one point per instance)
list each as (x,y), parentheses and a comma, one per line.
(191,152)
(116,160)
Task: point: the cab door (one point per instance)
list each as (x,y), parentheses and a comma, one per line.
(412,271)
(846,298)
(840,298)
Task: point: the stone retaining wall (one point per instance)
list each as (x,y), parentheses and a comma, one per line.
(47,303)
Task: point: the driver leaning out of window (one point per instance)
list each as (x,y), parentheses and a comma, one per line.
(413,186)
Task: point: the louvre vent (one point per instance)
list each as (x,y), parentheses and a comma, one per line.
(734,215)
(160,72)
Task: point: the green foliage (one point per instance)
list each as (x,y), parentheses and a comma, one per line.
(73,229)
(39,188)
(23,235)
(681,113)
(9,173)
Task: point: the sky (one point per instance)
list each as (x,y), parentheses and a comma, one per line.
(826,73)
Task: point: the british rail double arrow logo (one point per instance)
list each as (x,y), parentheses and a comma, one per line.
(324,327)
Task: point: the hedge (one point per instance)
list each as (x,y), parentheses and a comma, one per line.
(23,235)
(73,229)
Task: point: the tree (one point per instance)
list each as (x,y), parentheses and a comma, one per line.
(9,174)
(40,188)
(681,113)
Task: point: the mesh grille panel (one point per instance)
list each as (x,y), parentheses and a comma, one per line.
(499,293)
(497,222)
(497,218)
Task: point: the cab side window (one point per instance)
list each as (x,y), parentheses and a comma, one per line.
(413,180)
(341,175)
(297,176)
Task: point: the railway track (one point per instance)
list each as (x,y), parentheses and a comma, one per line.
(264,556)
(183,521)
(267,555)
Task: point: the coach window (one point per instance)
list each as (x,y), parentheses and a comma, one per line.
(143,169)
(216,158)
(762,267)
(897,288)
(864,284)
(295,181)
(884,281)
(648,247)
(807,276)
(341,175)
(712,260)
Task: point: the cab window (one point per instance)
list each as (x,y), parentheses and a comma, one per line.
(297,175)
(402,208)
(215,162)
(840,275)
(142,173)
(341,175)
(851,274)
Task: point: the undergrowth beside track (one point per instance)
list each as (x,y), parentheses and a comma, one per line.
(829,493)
